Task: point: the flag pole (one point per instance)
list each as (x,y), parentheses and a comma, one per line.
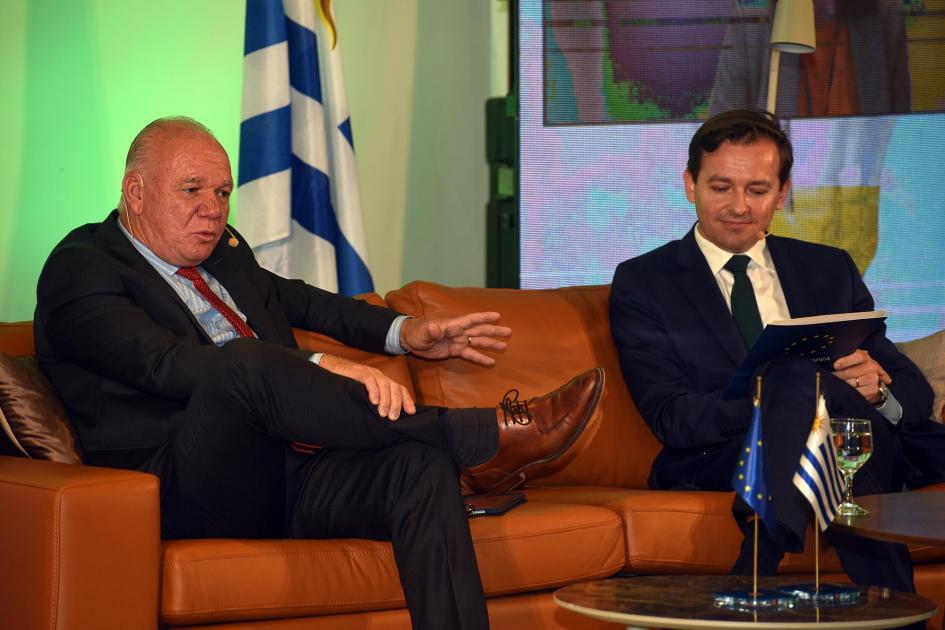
(754,585)
(816,528)
(754,591)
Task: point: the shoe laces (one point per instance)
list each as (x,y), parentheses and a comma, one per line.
(516,411)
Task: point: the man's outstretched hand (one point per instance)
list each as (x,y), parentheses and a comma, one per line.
(461,337)
(430,339)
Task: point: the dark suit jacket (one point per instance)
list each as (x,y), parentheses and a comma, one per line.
(125,353)
(678,344)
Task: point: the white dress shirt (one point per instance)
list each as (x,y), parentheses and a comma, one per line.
(764,277)
(768,293)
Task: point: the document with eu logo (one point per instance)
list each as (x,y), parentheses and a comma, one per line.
(822,339)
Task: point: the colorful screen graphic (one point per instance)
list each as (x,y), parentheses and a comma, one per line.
(644,60)
(611,91)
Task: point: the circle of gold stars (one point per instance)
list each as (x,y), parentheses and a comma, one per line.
(810,346)
(741,476)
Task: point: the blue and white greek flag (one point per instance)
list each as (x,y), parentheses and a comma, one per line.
(817,475)
(299,205)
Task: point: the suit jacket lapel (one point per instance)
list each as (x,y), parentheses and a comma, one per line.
(703,291)
(793,278)
(118,244)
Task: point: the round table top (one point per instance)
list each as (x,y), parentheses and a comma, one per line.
(688,601)
(906,517)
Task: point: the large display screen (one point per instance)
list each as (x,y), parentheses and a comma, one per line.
(611,91)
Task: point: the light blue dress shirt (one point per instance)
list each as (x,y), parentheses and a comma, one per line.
(217,327)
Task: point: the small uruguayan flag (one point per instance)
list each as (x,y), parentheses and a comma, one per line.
(817,475)
(299,205)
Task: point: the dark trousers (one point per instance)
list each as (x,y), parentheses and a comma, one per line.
(788,409)
(229,473)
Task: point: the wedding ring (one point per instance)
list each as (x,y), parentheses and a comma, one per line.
(468,341)
(857,379)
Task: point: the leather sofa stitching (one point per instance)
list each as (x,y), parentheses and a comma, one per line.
(548,532)
(322,606)
(633,511)
(531,586)
(276,554)
(71,486)
(57,562)
(295,604)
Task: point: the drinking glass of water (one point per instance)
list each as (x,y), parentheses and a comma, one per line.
(854,441)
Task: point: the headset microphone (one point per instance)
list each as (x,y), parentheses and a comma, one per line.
(233,241)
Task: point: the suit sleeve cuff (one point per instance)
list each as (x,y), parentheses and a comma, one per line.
(392,343)
(891,409)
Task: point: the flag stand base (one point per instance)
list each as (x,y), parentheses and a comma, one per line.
(747,600)
(830,594)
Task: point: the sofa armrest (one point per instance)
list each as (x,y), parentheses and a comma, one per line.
(79,546)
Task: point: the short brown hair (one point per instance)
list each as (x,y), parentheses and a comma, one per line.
(740,126)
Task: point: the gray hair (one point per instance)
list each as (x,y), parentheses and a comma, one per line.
(141,146)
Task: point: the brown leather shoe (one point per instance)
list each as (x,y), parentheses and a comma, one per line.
(536,431)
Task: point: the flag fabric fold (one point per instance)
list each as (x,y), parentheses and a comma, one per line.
(298,200)
(750,479)
(817,476)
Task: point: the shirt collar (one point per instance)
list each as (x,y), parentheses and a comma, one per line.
(164,267)
(717,257)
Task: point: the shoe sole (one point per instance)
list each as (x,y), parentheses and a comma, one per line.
(516,478)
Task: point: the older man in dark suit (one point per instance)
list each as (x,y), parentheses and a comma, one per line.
(173,351)
(684,316)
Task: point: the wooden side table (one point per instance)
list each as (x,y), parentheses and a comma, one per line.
(906,517)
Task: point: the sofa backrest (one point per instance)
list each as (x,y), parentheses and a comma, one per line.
(393,366)
(33,422)
(16,338)
(556,334)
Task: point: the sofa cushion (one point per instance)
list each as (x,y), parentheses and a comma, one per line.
(692,532)
(928,353)
(535,546)
(31,413)
(556,334)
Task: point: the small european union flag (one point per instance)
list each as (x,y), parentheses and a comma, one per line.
(750,480)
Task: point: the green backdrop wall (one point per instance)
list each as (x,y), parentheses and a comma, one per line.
(80,77)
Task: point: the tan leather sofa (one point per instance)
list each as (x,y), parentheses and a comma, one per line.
(80,546)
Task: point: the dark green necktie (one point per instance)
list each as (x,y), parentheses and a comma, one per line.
(744,305)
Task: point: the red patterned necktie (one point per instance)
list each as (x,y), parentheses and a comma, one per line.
(191,273)
(242,329)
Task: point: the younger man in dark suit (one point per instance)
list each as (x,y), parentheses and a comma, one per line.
(173,351)
(684,316)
